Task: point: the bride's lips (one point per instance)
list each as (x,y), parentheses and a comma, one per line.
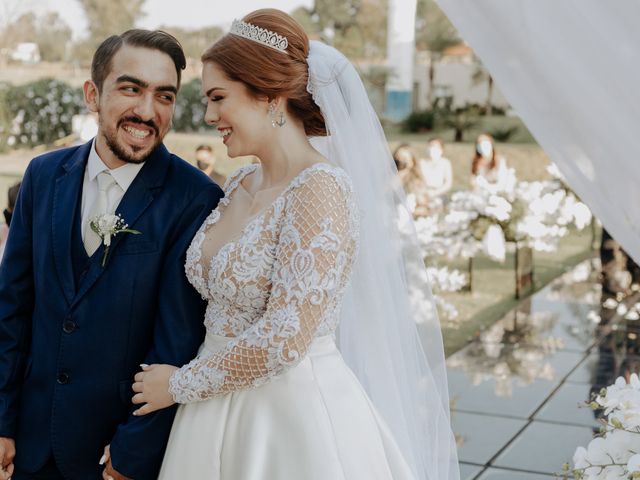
(225,132)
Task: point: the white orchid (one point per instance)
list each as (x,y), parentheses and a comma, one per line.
(616,453)
(633,465)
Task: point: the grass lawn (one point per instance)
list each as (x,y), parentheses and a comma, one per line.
(488,124)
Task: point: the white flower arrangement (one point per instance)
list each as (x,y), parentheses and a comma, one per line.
(446,280)
(107,226)
(535,214)
(615,453)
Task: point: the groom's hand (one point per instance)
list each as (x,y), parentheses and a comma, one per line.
(7,452)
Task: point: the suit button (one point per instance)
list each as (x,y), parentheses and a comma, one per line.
(63,378)
(68,326)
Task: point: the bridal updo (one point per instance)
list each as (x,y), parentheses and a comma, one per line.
(268,73)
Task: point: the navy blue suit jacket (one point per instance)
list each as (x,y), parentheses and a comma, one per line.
(68,352)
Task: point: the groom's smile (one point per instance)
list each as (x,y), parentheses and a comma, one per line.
(135,105)
(138,134)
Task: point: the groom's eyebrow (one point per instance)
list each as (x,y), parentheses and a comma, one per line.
(143,84)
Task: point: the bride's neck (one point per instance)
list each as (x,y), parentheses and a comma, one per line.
(285,157)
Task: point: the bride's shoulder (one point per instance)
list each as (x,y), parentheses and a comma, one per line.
(237,175)
(323,176)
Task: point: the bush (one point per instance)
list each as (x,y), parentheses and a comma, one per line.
(422,121)
(460,119)
(503,134)
(40,112)
(5,116)
(190,108)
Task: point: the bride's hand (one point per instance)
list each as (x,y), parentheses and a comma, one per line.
(152,388)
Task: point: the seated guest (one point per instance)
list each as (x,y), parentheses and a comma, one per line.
(486,162)
(411,180)
(436,170)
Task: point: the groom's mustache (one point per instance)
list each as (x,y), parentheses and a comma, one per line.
(148,123)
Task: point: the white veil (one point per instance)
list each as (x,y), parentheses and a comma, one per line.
(378,333)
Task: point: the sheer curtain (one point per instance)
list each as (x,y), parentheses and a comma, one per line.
(571,70)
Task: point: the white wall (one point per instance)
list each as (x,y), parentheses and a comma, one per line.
(456,75)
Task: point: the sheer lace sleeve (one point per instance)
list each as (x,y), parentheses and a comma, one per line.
(314,256)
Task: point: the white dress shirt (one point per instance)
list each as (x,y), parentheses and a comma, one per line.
(123,176)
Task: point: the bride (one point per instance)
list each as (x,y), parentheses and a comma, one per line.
(312,367)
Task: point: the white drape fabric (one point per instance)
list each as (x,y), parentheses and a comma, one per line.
(378,330)
(570,69)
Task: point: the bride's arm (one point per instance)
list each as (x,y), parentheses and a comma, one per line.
(313,259)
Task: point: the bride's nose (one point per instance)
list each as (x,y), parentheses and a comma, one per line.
(211,116)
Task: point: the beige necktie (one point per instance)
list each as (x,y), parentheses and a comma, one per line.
(100,206)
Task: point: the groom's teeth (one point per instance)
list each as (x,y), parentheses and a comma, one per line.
(137,133)
(225,132)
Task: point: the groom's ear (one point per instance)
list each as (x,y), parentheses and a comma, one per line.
(91,96)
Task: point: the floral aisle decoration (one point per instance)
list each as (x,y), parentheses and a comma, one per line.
(440,279)
(614,454)
(444,279)
(533,214)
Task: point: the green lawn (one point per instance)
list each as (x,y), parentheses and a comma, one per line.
(487,124)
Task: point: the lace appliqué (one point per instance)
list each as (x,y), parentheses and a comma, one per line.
(276,287)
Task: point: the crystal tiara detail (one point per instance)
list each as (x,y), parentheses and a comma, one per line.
(260,35)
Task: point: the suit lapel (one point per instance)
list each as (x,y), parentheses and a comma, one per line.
(65,197)
(135,201)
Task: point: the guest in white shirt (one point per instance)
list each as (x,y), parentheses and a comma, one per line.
(436,170)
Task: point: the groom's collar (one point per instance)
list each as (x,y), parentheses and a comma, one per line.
(152,173)
(123,175)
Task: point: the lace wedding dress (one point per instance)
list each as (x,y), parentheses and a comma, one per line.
(269,396)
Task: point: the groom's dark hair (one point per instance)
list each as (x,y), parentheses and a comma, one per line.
(152,39)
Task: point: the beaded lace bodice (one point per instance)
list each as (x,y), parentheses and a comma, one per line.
(274,287)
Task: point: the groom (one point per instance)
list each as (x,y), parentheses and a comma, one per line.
(77,318)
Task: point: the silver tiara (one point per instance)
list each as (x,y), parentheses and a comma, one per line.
(260,35)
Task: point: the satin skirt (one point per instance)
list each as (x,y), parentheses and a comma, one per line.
(314,422)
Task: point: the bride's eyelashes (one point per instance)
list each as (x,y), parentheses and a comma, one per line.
(216,98)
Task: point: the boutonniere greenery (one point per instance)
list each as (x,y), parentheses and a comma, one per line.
(107,226)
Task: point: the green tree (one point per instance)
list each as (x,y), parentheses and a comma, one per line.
(459,119)
(53,37)
(194,42)
(355,27)
(108,18)
(482,75)
(435,33)
(303,16)
(10,12)
(49,31)
(22,29)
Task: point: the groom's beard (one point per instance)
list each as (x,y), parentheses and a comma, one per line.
(137,155)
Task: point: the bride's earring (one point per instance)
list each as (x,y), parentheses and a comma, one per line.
(280,120)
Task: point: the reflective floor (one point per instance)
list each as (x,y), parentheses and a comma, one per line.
(516,390)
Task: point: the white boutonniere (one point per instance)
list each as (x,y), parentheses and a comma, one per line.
(109,225)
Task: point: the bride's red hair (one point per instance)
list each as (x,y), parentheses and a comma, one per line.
(268,73)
